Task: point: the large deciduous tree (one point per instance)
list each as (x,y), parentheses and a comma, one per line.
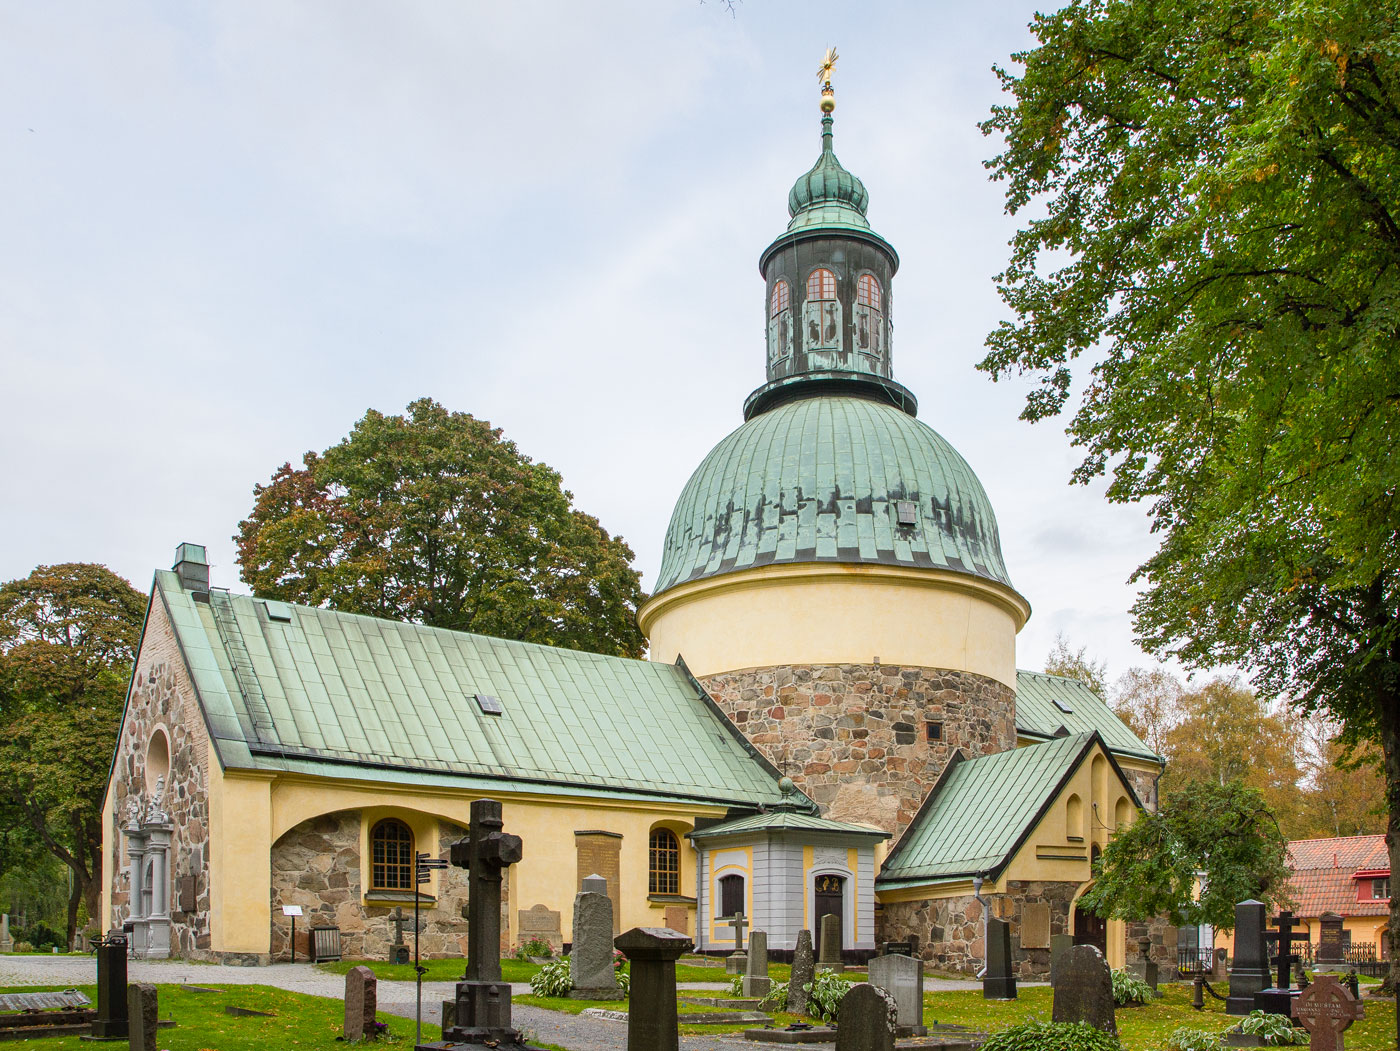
(1214,189)
(68,636)
(434,517)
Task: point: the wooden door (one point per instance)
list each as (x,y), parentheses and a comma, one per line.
(1090,930)
(830,899)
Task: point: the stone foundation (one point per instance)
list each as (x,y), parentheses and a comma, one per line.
(854,736)
(1035,963)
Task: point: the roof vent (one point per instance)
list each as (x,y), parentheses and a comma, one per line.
(906,512)
(489,705)
(1064,706)
(192,567)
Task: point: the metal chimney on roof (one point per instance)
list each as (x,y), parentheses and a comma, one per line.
(192,567)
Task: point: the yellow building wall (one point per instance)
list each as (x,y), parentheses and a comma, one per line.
(825,613)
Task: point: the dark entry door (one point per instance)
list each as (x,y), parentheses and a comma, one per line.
(1090,930)
(831,893)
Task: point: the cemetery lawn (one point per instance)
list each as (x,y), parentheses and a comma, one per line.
(574,1007)
(1140,1028)
(513,970)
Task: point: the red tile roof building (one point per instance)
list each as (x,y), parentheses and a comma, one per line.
(1349,876)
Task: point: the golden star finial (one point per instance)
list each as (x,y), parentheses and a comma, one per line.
(828,67)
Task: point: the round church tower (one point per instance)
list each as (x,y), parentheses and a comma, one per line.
(832,572)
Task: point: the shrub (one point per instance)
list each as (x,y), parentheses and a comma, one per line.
(42,936)
(736,985)
(624,982)
(1187,1039)
(824,994)
(1052,1036)
(23,947)
(1276,1030)
(534,947)
(552,979)
(1129,989)
(777,997)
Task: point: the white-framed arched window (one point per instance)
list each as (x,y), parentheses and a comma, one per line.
(869,315)
(821,313)
(779,322)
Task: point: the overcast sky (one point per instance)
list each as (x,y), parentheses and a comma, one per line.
(230,228)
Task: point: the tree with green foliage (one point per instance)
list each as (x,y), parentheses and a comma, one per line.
(1064,660)
(1215,198)
(1225,832)
(68,637)
(434,517)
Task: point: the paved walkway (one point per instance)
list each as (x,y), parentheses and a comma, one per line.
(552,1027)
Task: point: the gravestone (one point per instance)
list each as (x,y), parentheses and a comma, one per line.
(804,970)
(591,962)
(998,983)
(757,984)
(1330,944)
(829,958)
(652,1024)
(111,1020)
(143,1011)
(7,944)
(361,1003)
(1326,1010)
(541,923)
(736,962)
(481,1011)
(398,952)
(903,978)
(1144,967)
(866,1019)
(1279,999)
(1059,945)
(1083,989)
(1249,971)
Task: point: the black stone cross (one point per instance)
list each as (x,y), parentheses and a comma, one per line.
(1284,922)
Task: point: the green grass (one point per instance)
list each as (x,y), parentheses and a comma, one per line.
(438,970)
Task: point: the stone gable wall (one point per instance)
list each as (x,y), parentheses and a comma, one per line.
(316,865)
(162,695)
(853,736)
(1145,785)
(1035,963)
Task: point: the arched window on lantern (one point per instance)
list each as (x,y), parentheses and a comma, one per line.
(731,895)
(821,313)
(665,863)
(779,322)
(391,856)
(869,315)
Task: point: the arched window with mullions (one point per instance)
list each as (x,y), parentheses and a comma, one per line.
(869,315)
(821,313)
(665,862)
(779,322)
(391,856)
(731,895)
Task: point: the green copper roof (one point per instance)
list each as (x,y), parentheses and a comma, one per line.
(981,810)
(784,821)
(295,688)
(819,480)
(1050,706)
(828,195)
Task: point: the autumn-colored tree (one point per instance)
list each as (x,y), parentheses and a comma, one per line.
(1149,701)
(434,517)
(68,636)
(1063,659)
(1344,789)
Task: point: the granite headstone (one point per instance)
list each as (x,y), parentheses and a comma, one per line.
(591,962)
(1326,1009)
(998,983)
(1083,989)
(803,971)
(143,1013)
(1331,946)
(1249,971)
(756,983)
(111,1020)
(7,944)
(737,962)
(903,978)
(361,1002)
(829,949)
(866,1019)
(1059,945)
(1144,967)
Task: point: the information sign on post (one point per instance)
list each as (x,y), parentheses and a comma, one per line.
(293,911)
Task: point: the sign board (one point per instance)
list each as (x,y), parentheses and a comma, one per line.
(291,910)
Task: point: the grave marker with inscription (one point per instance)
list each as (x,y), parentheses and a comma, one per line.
(903,978)
(756,983)
(1083,989)
(361,1003)
(1331,947)
(541,923)
(1326,1010)
(804,969)
(866,1020)
(591,961)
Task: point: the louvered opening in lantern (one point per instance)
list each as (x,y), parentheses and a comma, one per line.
(906,513)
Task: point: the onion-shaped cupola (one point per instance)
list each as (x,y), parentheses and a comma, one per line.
(827,281)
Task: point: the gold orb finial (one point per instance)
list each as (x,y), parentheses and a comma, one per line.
(828,67)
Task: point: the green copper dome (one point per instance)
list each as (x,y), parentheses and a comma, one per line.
(822,479)
(828,195)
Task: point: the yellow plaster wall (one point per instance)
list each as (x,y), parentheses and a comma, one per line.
(716,871)
(240,847)
(109,859)
(825,613)
(1365,930)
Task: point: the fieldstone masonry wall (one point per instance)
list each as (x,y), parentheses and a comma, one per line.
(317,865)
(161,696)
(949,930)
(1145,785)
(1035,963)
(854,736)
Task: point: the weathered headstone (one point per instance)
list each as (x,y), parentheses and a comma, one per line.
(1083,989)
(652,1024)
(756,983)
(1279,999)
(7,944)
(737,962)
(591,962)
(111,1020)
(866,1019)
(481,1012)
(829,951)
(143,1011)
(361,1002)
(1144,967)
(1331,947)
(541,923)
(998,983)
(1326,1010)
(1059,945)
(1249,971)
(804,970)
(903,978)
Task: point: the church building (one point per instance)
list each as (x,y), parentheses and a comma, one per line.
(831,720)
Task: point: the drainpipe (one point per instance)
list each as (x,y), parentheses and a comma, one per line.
(986,905)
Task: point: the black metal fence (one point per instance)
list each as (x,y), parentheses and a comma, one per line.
(1195,961)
